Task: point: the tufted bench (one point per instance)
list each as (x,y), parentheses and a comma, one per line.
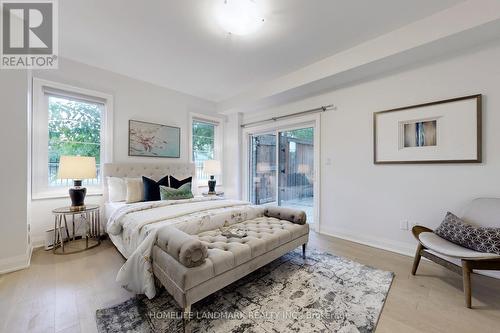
(192,267)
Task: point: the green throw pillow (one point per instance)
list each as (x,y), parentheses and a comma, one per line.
(183,192)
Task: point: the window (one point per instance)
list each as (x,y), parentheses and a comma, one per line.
(206,142)
(75,130)
(67,121)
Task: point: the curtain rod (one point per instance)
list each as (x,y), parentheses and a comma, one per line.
(315,110)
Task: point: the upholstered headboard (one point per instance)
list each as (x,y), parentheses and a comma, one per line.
(152,170)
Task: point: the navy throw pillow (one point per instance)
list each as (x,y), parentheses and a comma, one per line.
(175,183)
(152,188)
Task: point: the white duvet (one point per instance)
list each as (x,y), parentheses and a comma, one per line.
(139,223)
(135,221)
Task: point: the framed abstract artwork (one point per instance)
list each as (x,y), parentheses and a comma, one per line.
(447,131)
(153,140)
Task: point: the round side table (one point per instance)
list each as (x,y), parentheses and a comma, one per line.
(216,194)
(89,217)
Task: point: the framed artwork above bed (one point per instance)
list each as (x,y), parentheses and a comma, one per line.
(153,140)
(447,131)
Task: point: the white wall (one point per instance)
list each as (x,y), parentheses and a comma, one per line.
(366,202)
(232,154)
(133,99)
(14,248)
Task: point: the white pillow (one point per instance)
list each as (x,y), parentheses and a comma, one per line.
(117,189)
(135,190)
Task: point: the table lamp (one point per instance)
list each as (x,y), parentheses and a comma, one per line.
(212,168)
(77,168)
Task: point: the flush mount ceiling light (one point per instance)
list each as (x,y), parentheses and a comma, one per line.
(239,17)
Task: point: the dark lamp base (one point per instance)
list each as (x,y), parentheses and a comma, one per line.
(77,195)
(77,208)
(211,185)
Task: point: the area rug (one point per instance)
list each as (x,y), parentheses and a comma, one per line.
(322,293)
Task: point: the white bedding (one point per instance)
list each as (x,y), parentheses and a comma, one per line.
(134,228)
(111,207)
(129,224)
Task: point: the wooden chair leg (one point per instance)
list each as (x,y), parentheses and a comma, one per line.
(466,271)
(304,250)
(416,260)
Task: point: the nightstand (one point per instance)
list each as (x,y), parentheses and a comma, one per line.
(217,194)
(88,218)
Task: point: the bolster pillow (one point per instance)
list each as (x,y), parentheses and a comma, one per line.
(292,215)
(185,248)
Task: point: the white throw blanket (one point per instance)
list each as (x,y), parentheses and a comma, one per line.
(192,216)
(116,221)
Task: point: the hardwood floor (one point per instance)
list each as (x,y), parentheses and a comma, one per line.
(61,293)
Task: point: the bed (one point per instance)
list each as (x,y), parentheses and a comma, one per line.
(129,225)
(136,170)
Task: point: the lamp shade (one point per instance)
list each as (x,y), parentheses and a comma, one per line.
(77,167)
(211,167)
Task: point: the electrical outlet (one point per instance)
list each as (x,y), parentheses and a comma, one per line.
(403,225)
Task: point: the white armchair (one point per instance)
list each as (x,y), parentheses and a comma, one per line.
(483,212)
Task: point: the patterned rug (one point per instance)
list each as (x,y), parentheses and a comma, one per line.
(322,293)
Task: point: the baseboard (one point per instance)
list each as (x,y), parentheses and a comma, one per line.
(38,242)
(12,264)
(393,246)
(376,242)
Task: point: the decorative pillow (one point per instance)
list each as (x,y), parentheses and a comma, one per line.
(183,192)
(175,183)
(481,239)
(117,189)
(134,190)
(152,188)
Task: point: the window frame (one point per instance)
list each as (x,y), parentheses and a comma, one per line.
(218,123)
(39,141)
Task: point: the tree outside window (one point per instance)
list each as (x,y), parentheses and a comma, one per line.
(75,130)
(203,146)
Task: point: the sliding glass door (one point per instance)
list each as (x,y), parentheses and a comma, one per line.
(281,169)
(296,170)
(263,169)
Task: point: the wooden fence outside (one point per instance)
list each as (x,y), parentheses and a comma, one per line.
(295,171)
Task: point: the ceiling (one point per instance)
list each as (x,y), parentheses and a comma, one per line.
(177,43)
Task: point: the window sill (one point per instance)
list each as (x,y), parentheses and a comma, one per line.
(61,195)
